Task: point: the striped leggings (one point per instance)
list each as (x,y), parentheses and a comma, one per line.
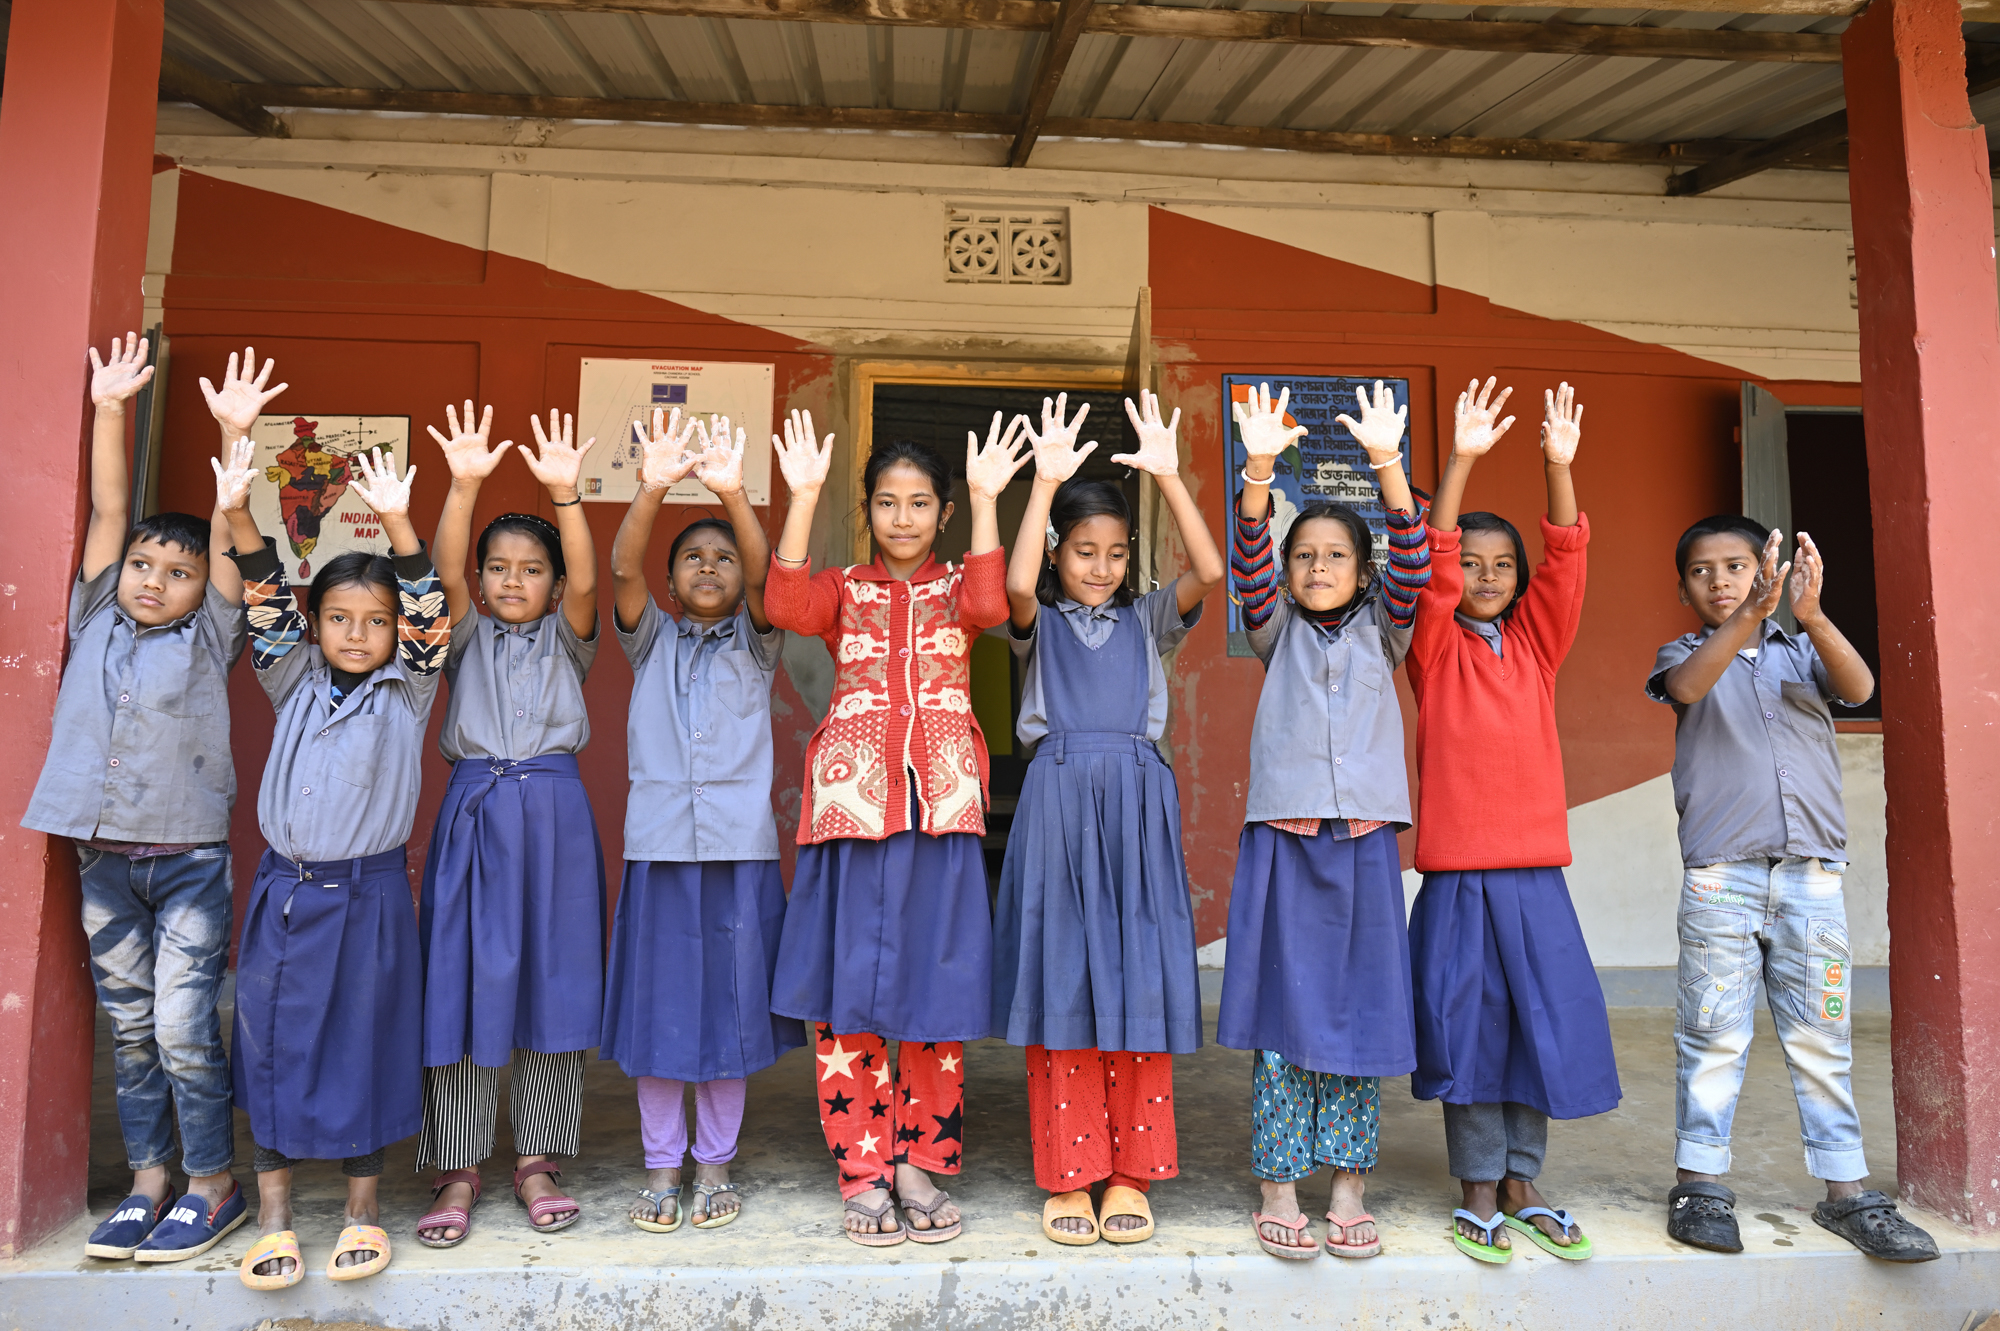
(461,1106)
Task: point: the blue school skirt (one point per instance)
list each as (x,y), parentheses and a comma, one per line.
(325,1058)
(1319,959)
(1508,1004)
(693,950)
(512,915)
(891,938)
(1094,934)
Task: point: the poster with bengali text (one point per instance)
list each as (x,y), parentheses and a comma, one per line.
(304,493)
(615,393)
(1324,465)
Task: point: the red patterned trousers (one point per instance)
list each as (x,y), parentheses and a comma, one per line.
(875,1119)
(1101,1116)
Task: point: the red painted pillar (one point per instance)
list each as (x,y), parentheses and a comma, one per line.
(1930,366)
(76,148)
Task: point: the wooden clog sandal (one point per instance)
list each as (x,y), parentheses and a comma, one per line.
(284,1243)
(1121,1200)
(359,1238)
(1069,1206)
(1291,1252)
(1346,1249)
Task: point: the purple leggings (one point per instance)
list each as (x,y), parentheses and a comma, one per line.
(718,1113)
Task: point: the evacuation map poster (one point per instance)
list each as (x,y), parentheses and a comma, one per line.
(307,473)
(1323,465)
(615,393)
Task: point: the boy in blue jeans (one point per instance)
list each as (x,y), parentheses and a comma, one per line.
(1764,837)
(139,775)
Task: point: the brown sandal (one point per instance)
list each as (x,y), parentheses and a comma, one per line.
(927,1210)
(542,1206)
(880,1239)
(450,1217)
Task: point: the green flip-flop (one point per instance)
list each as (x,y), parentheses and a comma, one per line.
(1575,1252)
(1481,1252)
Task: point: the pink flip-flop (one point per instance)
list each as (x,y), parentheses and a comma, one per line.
(1346,1249)
(1290,1252)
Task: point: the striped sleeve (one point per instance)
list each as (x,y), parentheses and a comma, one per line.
(1409,567)
(1253,570)
(270,605)
(423,624)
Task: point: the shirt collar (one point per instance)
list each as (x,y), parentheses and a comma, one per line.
(529,630)
(690,628)
(1766,631)
(1485,628)
(1078,610)
(874,572)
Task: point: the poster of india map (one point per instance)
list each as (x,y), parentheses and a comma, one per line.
(1324,465)
(303,495)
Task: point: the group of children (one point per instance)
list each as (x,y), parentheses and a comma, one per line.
(1486,997)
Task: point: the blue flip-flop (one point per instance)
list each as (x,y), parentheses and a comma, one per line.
(1477,1251)
(192,1228)
(120,1235)
(1575,1252)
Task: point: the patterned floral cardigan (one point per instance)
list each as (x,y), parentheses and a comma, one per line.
(902,700)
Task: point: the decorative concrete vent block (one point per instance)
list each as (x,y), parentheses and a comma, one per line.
(1029,245)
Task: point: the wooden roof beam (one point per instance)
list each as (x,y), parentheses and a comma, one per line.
(182,82)
(1056,52)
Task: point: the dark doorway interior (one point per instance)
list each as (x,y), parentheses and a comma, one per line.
(1828,457)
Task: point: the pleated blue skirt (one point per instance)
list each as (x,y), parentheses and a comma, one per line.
(1319,958)
(693,950)
(891,937)
(512,915)
(1094,933)
(326,1058)
(1507,1001)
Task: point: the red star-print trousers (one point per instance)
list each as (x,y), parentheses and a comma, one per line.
(875,1119)
(1097,1115)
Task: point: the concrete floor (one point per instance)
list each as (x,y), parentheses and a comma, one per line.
(785,1264)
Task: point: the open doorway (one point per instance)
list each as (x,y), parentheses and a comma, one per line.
(940,414)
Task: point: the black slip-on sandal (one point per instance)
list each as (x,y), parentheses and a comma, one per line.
(1703,1215)
(1869,1220)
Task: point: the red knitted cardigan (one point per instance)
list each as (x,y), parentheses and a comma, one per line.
(902,699)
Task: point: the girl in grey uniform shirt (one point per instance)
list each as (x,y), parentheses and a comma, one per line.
(512,915)
(325,1057)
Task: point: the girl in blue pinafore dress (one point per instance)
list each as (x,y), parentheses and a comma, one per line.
(1093,964)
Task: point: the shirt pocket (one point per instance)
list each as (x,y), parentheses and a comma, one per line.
(169,682)
(1366,666)
(1828,975)
(1806,712)
(1712,980)
(559,693)
(741,684)
(354,750)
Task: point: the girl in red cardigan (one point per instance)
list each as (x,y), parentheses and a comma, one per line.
(888,934)
(1511,1026)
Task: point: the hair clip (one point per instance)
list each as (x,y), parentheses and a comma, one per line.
(1053,539)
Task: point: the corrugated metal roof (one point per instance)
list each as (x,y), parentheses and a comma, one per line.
(382,44)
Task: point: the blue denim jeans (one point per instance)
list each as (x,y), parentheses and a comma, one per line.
(1781,924)
(159,940)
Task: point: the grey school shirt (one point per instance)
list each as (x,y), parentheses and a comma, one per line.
(516,689)
(1159,617)
(1756,770)
(139,750)
(698,739)
(1328,739)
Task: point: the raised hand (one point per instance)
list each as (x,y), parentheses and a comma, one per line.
(379,487)
(232,483)
(123,375)
(1769,585)
(559,463)
(802,459)
(1056,455)
(1262,423)
(1380,429)
(719,464)
(989,468)
(242,396)
(1474,430)
(1562,425)
(1157,454)
(465,450)
(1808,575)
(665,460)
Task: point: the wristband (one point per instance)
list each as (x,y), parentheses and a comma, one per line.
(566,503)
(1248,479)
(1384,466)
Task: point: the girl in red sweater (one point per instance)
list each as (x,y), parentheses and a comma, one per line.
(1511,1026)
(888,935)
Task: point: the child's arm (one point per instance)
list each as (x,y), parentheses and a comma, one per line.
(423,628)
(1851,681)
(666,462)
(111,383)
(1690,681)
(719,466)
(1551,610)
(1474,432)
(1562,428)
(794,599)
(1056,459)
(1161,456)
(988,469)
(1253,559)
(557,469)
(235,407)
(272,610)
(471,462)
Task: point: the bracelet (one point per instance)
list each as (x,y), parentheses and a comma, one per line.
(790,563)
(1384,466)
(566,503)
(1248,479)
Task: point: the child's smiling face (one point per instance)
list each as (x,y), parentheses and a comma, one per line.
(1091,560)
(1323,569)
(905,513)
(1717,577)
(1492,574)
(356,627)
(159,582)
(708,576)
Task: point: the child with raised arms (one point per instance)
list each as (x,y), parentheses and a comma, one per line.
(887,935)
(328,1063)
(1318,983)
(694,945)
(512,911)
(1511,1025)
(1094,945)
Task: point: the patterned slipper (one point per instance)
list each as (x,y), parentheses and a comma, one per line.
(359,1238)
(282,1244)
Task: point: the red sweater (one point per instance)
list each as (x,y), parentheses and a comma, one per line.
(902,699)
(1489,763)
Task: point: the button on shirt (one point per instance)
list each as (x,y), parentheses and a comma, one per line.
(1756,768)
(516,689)
(698,739)
(139,750)
(1159,615)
